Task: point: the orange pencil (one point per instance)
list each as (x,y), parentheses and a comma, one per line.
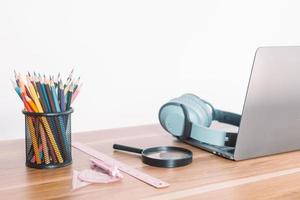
(26,105)
(31,104)
(31,128)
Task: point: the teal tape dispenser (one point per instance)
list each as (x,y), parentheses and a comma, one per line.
(189,118)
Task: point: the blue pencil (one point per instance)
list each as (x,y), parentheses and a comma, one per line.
(55,98)
(17,89)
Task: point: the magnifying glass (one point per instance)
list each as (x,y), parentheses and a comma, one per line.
(165,156)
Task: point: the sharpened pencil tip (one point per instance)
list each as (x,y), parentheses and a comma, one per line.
(71,74)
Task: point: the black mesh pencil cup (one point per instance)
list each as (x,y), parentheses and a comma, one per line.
(48,139)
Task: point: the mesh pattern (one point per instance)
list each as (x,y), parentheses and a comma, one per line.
(48,139)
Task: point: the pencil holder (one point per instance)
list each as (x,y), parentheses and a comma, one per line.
(48,139)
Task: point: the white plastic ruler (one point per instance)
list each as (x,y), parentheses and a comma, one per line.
(123,167)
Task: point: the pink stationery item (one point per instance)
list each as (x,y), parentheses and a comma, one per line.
(96,176)
(77,182)
(110,170)
(100,172)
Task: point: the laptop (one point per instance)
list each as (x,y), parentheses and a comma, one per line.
(270,122)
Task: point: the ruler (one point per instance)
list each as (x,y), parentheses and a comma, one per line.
(123,167)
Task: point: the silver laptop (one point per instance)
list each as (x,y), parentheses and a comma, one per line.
(270,122)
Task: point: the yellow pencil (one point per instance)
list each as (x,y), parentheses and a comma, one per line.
(35,98)
(34,140)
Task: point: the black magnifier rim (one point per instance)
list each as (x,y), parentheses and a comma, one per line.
(167,163)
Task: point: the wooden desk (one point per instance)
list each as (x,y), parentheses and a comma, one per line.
(208,177)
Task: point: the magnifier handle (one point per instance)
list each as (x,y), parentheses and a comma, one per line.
(127,148)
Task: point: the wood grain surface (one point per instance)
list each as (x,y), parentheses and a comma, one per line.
(208,177)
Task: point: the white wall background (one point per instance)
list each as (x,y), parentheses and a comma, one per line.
(133,56)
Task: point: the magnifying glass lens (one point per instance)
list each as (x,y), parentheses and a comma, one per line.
(168,155)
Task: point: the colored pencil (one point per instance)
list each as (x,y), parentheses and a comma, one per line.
(16,88)
(49,94)
(76,92)
(44,142)
(69,97)
(76,83)
(44,86)
(62,97)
